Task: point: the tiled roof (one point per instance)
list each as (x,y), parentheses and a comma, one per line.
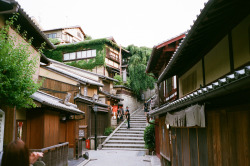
(29,22)
(55,102)
(99,75)
(219,87)
(75,76)
(213,22)
(110,95)
(90,100)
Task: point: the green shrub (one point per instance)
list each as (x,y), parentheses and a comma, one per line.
(149,137)
(108,131)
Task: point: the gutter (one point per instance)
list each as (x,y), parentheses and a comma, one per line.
(14,10)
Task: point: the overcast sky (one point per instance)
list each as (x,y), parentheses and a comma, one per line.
(138,22)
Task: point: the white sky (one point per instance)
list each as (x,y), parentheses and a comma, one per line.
(138,22)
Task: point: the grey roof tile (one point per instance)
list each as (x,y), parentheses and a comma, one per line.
(55,102)
(235,77)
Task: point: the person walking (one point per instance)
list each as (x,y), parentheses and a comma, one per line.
(127,116)
(145,108)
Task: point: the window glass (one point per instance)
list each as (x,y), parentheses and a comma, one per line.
(72,55)
(84,54)
(89,53)
(93,53)
(66,56)
(79,55)
(53,35)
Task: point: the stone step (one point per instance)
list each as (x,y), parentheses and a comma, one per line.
(125,142)
(128,135)
(137,117)
(128,149)
(135,125)
(131,129)
(137,121)
(126,138)
(129,132)
(124,145)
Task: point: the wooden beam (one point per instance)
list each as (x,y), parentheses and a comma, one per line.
(168,49)
(170,41)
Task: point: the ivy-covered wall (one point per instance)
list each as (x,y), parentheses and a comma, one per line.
(98,44)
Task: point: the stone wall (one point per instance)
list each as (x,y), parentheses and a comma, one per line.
(129,101)
(149,93)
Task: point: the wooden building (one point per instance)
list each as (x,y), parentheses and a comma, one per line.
(50,125)
(87,88)
(69,34)
(7,8)
(208,122)
(101,56)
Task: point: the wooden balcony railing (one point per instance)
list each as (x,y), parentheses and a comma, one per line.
(80,144)
(56,155)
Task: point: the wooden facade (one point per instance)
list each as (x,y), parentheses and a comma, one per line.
(26,25)
(198,66)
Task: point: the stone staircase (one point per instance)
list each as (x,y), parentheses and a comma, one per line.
(128,139)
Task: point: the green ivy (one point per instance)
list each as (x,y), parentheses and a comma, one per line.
(54,41)
(98,44)
(99,60)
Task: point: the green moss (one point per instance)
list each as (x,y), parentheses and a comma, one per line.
(98,44)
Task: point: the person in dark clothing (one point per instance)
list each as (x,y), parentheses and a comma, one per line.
(127,116)
(145,108)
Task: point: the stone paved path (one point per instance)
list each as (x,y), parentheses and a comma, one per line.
(118,158)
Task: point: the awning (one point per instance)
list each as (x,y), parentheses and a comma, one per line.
(189,117)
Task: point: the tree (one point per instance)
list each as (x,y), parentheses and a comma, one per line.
(17,69)
(88,37)
(119,78)
(139,80)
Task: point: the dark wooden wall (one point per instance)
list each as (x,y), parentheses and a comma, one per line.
(35,129)
(51,128)
(85,122)
(189,147)
(102,122)
(228,136)
(164,139)
(157,138)
(59,89)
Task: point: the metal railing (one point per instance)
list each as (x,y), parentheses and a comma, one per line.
(56,155)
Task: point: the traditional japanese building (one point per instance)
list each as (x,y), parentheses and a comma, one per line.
(101,56)
(208,122)
(88,89)
(39,127)
(64,35)
(160,57)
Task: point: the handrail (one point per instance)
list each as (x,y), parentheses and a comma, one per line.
(106,140)
(50,147)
